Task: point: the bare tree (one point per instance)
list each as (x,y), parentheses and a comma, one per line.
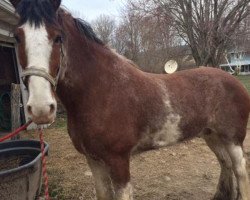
(104,27)
(207,26)
(144,39)
(130,31)
(242,36)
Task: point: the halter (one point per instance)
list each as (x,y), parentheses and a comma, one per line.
(33,71)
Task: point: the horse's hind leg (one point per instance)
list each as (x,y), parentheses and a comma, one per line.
(103,185)
(240,171)
(226,189)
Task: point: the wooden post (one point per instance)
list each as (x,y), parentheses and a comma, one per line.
(15,108)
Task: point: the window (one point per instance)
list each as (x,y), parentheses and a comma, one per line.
(246,68)
(242,68)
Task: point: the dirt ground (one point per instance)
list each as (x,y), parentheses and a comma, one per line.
(187,171)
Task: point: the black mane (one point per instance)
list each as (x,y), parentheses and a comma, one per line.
(86,29)
(38,11)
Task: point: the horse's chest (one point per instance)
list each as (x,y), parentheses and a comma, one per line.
(76,136)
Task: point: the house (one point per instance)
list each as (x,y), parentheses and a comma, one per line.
(9,67)
(238,61)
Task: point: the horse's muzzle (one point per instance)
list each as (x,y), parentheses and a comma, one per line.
(42,114)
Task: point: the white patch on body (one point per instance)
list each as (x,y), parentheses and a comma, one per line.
(169,132)
(38,51)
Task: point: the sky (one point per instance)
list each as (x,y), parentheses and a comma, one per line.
(91,9)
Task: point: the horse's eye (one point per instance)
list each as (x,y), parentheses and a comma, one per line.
(58,39)
(17,38)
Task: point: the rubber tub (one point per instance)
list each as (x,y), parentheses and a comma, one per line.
(20,169)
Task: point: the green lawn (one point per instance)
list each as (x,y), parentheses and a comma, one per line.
(246,81)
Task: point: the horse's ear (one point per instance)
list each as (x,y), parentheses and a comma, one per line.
(15,2)
(56,4)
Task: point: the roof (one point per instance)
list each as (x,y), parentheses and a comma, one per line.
(241,50)
(8,19)
(7,13)
(243,62)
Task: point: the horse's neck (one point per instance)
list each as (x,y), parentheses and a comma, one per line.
(86,64)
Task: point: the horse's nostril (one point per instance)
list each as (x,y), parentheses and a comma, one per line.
(52,108)
(29,109)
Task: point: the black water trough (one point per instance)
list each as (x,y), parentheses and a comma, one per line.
(20,169)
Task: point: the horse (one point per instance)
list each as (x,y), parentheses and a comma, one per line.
(115,110)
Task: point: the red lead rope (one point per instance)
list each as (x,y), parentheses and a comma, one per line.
(45,176)
(15,132)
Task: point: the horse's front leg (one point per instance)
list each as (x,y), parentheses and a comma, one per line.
(120,175)
(103,185)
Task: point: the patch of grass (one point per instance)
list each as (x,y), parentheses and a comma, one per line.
(60,122)
(56,191)
(245,80)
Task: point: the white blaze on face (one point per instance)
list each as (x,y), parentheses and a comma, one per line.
(38,52)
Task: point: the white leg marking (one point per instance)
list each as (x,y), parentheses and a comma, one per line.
(103,185)
(226,188)
(239,165)
(125,193)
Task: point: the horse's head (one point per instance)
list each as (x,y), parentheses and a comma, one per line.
(39,47)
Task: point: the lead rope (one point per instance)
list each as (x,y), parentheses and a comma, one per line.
(44,169)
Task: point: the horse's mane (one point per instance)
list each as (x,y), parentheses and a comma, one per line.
(38,11)
(86,29)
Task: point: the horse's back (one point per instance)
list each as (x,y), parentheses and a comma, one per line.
(208,98)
